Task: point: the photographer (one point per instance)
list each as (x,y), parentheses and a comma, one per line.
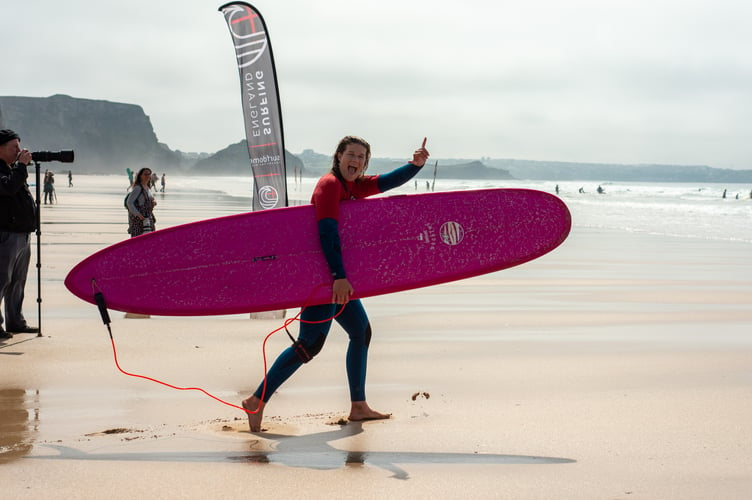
(17,221)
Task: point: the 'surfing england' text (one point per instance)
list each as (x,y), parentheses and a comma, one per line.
(258,104)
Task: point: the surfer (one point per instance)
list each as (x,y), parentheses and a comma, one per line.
(140,204)
(345,181)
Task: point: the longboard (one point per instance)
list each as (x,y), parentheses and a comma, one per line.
(272,259)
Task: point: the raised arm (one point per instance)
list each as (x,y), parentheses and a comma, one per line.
(401,175)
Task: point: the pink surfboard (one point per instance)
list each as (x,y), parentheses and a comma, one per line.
(272,260)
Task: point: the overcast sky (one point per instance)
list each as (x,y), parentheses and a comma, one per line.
(633,81)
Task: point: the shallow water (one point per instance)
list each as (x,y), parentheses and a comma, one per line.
(689,210)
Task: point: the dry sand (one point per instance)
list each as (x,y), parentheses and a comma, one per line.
(619,366)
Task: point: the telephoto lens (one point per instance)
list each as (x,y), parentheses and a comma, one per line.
(65,156)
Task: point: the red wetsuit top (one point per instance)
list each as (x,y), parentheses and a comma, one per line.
(328,194)
(330,191)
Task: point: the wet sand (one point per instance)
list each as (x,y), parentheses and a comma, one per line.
(619,366)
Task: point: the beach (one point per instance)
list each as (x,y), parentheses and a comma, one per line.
(619,366)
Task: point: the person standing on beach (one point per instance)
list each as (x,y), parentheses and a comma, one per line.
(141,203)
(345,181)
(70,178)
(49,187)
(17,220)
(163,184)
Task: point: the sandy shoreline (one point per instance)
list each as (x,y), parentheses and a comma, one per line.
(619,366)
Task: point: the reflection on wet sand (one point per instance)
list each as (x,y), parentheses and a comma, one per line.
(17,427)
(313,451)
(310,451)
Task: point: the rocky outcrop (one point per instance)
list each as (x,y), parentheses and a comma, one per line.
(233,160)
(107,137)
(475,170)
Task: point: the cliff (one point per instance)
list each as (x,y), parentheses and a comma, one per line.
(107,137)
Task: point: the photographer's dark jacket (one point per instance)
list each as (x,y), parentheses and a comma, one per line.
(17,206)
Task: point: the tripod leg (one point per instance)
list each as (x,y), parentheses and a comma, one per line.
(39,254)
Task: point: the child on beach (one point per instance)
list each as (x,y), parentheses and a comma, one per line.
(345,181)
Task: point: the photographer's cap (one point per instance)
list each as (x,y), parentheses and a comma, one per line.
(7,135)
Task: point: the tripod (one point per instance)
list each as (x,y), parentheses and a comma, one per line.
(39,250)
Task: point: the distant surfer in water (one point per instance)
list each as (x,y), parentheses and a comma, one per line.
(345,181)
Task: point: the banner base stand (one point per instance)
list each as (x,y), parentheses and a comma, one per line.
(136,316)
(270,314)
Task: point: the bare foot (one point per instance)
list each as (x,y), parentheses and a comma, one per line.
(360,411)
(255,405)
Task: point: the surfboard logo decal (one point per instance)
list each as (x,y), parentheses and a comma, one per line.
(452,233)
(265,258)
(268,197)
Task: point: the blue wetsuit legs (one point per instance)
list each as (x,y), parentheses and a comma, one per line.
(314,328)
(355,322)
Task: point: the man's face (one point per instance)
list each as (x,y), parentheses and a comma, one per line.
(9,151)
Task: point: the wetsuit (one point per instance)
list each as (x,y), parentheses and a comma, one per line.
(314,327)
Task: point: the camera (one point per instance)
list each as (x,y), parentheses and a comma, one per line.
(63,156)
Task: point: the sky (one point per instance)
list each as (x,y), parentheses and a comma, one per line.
(611,81)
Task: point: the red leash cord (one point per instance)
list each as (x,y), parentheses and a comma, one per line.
(99,298)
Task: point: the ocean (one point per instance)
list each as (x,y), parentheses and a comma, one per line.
(686,210)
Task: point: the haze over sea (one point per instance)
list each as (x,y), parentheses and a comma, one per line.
(688,210)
